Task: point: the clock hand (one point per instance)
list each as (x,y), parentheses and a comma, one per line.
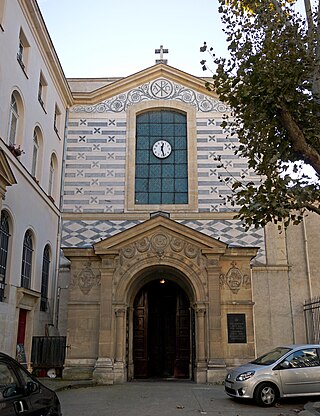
(162,146)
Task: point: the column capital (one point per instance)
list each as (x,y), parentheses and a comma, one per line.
(200,309)
(120,310)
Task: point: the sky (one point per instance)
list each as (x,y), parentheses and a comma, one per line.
(110,38)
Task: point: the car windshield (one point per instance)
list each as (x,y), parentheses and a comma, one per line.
(271,357)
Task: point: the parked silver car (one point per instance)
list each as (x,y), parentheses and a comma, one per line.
(287,371)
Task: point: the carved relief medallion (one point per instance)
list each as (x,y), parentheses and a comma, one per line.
(159,243)
(86,279)
(234,279)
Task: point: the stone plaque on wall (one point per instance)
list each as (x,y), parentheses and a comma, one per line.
(237,333)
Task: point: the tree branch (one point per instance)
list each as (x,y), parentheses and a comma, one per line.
(312,208)
(299,144)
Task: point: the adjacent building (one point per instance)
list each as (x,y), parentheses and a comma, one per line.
(34,95)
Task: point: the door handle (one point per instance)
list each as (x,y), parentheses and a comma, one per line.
(20,406)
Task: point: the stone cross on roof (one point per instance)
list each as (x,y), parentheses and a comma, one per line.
(161,51)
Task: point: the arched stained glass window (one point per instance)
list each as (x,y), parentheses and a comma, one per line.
(13,121)
(161,175)
(35,154)
(45,278)
(26,267)
(4,246)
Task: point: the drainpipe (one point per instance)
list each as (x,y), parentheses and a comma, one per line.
(306,248)
(58,242)
(289,286)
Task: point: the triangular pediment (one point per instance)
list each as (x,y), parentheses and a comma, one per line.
(6,174)
(154,72)
(159,225)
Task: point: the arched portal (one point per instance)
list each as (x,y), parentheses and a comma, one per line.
(137,327)
(161,331)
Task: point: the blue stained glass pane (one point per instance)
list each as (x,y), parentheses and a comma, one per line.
(143,129)
(143,143)
(181,185)
(181,198)
(154,198)
(167,185)
(180,143)
(180,156)
(167,130)
(167,116)
(142,171)
(142,156)
(180,118)
(168,198)
(141,185)
(154,160)
(167,171)
(181,171)
(154,117)
(155,171)
(155,184)
(155,130)
(180,130)
(141,198)
(143,118)
(165,178)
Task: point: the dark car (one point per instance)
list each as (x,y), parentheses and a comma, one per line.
(22,394)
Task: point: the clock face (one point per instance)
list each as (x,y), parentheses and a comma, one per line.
(161,149)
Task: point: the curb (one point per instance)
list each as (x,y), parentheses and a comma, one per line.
(58,385)
(313,408)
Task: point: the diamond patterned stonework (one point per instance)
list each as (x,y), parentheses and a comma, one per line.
(231,232)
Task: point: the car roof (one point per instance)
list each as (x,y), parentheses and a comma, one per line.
(296,346)
(3,355)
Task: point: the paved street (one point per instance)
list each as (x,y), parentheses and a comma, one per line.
(164,399)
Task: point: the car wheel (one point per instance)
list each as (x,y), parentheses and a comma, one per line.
(265,395)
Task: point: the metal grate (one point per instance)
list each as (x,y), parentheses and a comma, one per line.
(48,352)
(312,319)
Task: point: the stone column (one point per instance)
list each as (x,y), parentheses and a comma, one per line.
(120,317)
(104,369)
(120,364)
(216,362)
(130,344)
(201,364)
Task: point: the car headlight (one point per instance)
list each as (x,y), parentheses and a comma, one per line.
(245,376)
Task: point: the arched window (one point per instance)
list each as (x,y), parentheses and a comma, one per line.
(51,177)
(52,186)
(35,154)
(162,152)
(26,267)
(45,278)
(161,176)
(13,121)
(4,246)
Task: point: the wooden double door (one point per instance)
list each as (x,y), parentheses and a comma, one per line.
(161,333)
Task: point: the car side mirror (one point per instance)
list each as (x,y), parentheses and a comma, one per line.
(285,364)
(31,387)
(9,391)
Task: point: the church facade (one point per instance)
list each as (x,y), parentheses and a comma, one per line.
(164,282)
